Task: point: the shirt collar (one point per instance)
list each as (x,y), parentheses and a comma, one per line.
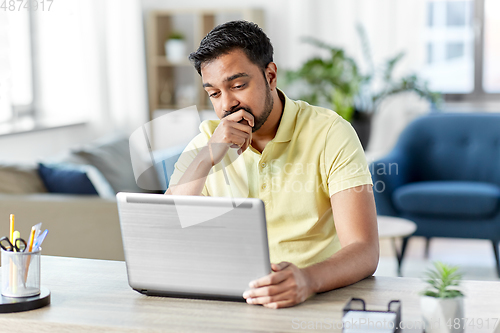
(288,120)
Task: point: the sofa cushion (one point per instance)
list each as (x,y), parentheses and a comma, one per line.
(65,180)
(448,198)
(111,156)
(165,164)
(101,185)
(20,179)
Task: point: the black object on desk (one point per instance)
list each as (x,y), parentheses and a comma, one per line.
(358,306)
(18,304)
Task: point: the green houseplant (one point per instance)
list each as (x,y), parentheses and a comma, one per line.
(336,82)
(175,47)
(442,302)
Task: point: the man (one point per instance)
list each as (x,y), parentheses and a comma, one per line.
(304,162)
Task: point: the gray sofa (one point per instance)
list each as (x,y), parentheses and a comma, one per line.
(83,226)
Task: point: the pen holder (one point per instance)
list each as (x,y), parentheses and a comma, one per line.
(20,273)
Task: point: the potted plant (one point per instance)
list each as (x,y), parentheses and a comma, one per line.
(441,302)
(175,47)
(336,82)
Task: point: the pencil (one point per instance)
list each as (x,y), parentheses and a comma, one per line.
(30,248)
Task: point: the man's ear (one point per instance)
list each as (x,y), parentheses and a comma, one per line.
(271,72)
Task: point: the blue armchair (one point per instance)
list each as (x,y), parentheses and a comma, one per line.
(444,174)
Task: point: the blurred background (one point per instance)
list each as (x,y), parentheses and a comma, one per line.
(74,72)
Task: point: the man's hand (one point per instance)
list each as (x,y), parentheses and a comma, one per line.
(286,286)
(233,131)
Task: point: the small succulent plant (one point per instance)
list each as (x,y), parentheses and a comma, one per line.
(443,281)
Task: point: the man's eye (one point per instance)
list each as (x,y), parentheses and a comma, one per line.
(212,95)
(239,86)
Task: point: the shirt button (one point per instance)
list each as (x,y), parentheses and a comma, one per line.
(264,186)
(263,165)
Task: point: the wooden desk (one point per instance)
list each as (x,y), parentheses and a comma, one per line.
(93,295)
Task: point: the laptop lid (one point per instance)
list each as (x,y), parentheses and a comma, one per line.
(193,246)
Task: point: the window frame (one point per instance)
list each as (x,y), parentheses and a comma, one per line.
(478,93)
(26,118)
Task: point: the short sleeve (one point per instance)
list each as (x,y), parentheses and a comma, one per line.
(186,158)
(345,161)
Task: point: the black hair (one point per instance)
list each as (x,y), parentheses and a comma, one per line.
(232,35)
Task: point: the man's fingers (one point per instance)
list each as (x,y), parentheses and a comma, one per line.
(271,290)
(248,141)
(281,266)
(282,296)
(241,114)
(242,127)
(270,279)
(237,138)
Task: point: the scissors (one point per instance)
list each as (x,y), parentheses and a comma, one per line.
(18,246)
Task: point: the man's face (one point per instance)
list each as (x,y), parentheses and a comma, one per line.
(233,83)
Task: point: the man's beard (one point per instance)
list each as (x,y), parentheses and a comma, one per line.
(268,107)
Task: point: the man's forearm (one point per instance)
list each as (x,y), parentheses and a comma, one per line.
(349,265)
(193,180)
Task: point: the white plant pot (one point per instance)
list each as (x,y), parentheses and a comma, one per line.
(442,315)
(175,49)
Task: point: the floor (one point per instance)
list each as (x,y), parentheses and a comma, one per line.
(474,257)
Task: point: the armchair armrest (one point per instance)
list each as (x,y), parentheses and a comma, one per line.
(389,173)
(79,225)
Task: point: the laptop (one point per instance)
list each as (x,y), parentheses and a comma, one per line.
(193,246)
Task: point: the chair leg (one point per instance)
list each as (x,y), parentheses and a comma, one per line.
(497,257)
(427,243)
(400,253)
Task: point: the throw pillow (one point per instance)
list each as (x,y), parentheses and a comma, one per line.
(65,180)
(112,158)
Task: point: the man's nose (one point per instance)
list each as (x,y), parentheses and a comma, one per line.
(229,102)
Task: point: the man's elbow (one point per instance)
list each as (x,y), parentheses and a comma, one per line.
(372,258)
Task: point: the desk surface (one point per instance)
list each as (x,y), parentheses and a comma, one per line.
(90,295)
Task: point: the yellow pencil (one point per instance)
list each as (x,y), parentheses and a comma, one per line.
(32,236)
(30,248)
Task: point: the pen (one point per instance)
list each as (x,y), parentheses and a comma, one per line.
(38,227)
(39,240)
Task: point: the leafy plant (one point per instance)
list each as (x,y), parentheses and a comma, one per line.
(442,281)
(337,80)
(176,35)
(334,80)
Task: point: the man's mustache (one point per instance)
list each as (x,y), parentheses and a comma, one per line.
(236,110)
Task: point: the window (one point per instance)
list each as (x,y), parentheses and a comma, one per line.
(42,72)
(449,37)
(491,69)
(462,47)
(16,79)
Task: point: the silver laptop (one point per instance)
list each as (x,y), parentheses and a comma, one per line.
(193,246)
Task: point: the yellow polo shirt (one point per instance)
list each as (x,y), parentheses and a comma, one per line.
(315,154)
